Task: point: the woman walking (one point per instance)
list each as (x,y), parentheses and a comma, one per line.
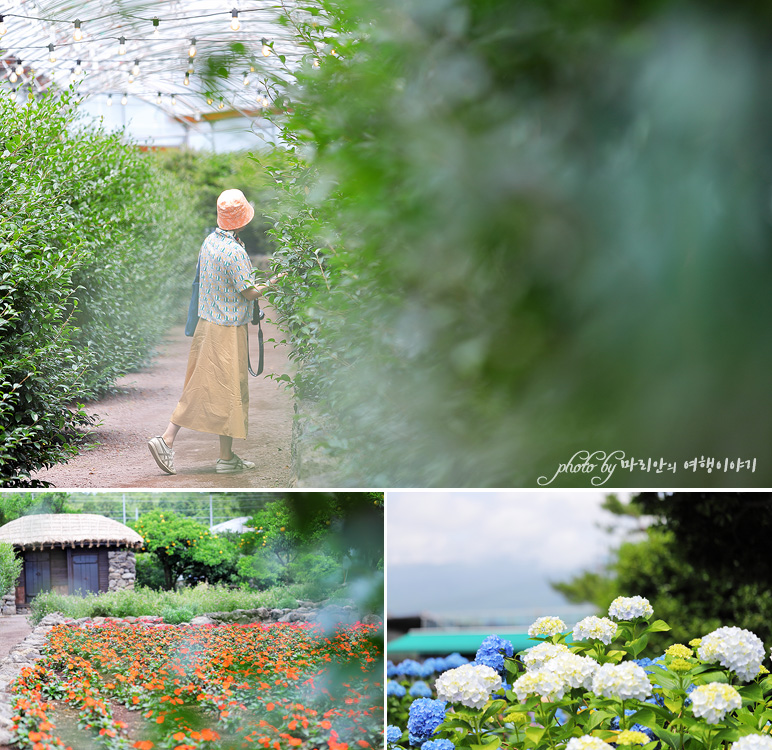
(215,397)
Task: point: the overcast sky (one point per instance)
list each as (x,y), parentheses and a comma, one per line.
(464,552)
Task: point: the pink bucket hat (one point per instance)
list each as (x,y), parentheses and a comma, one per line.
(233,210)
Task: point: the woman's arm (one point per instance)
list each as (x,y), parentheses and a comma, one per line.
(253,292)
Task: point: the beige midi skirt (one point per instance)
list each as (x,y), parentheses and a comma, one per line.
(215,397)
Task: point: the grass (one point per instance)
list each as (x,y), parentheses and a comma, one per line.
(175,606)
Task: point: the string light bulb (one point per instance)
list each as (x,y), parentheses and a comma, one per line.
(109,100)
(315,63)
(209,100)
(13,77)
(186,82)
(246,79)
(124,100)
(190,65)
(13,95)
(135,68)
(19,67)
(156,23)
(235,23)
(73,77)
(266,48)
(51,55)
(159,99)
(221,105)
(122,45)
(78,33)
(3,27)
(78,68)
(173,100)
(131,78)
(192,51)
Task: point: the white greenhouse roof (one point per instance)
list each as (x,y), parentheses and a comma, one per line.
(231,79)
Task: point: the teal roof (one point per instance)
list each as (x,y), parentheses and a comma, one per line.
(431,641)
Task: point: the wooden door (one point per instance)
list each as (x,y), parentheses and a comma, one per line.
(85,573)
(37,569)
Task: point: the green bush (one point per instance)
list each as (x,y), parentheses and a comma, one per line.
(144,601)
(10,567)
(96,249)
(510,236)
(174,616)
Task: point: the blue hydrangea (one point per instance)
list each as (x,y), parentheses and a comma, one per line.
(451,661)
(438,745)
(492,652)
(411,668)
(424,717)
(393,734)
(646,662)
(394,688)
(420,690)
(391,669)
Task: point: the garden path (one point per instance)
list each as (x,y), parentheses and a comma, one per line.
(13,629)
(141,408)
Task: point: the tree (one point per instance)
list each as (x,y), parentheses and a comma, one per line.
(10,567)
(184,547)
(702,562)
(16,504)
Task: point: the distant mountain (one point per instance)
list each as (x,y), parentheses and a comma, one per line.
(474,592)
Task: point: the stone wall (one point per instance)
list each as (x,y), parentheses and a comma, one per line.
(123,569)
(8,603)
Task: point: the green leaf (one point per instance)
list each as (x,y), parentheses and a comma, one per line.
(658,626)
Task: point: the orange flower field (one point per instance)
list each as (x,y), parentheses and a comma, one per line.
(275,686)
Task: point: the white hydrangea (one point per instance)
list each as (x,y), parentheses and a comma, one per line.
(753,742)
(630,607)
(542,682)
(734,648)
(714,701)
(587,742)
(470,685)
(576,671)
(594,628)
(546,626)
(537,656)
(621,681)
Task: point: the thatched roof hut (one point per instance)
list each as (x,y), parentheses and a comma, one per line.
(70,553)
(50,530)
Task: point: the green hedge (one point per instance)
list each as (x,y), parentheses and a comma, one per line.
(518,230)
(96,248)
(175,606)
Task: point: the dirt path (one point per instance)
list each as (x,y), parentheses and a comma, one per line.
(142,408)
(13,629)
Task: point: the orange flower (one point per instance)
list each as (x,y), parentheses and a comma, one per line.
(270,707)
(143,744)
(160,719)
(179,736)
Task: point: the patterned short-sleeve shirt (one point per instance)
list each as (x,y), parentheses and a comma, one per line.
(225,271)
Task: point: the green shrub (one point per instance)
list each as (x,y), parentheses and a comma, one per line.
(96,249)
(10,567)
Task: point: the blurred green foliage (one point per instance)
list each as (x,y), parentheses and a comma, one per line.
(700,561)
(519,230)
(94,244)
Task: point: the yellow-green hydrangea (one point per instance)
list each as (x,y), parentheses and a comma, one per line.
(680,665)
(695,642)
(629,737)
(762,670)
(679,650)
